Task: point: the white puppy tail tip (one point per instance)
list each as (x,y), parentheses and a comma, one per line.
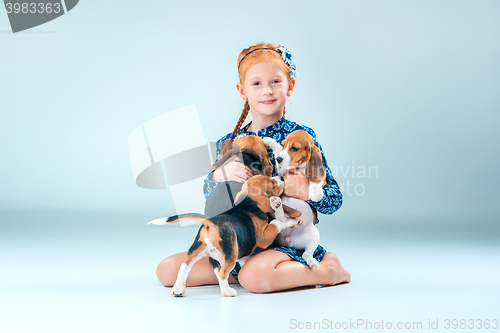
(160,221)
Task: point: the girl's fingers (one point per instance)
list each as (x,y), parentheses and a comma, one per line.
(248,171)
(237,171)
(244,171)
(242,177)
(239,180)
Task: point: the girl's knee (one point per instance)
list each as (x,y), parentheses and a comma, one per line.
(255,276)
(168,268)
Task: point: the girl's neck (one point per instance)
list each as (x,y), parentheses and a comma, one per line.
(259,123)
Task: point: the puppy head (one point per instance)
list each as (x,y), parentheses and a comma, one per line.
(297,147)
(254,154)
(262,186)
(260,189)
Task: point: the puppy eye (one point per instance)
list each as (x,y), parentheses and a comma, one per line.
(294,149)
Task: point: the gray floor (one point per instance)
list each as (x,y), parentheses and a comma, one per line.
(70,272)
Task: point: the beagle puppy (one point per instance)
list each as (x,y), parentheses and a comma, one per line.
(303,236)
(300,151)
(234,235)
(253,153)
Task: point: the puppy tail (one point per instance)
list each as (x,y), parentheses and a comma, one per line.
(182,217)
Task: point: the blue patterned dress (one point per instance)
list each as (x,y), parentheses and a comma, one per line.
(332,198)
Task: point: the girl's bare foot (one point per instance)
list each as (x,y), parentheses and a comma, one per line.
(335,272)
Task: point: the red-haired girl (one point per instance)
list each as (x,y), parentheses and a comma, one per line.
(267,77)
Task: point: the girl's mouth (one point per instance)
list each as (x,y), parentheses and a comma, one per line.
(268,102)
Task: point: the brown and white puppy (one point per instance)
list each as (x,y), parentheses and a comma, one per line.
(300,151)
(234,235)
(251,151)
(304,235)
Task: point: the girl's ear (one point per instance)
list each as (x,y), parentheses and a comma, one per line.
(291,86)
(239,86)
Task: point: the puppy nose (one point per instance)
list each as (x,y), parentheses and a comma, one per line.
(279,159)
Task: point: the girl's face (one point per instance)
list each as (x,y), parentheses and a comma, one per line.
(266,87)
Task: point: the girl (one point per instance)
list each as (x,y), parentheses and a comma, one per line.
(267,77)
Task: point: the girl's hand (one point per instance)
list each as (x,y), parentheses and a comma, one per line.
(296,184)
(235,171)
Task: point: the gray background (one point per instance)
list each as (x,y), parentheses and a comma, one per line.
(410,88)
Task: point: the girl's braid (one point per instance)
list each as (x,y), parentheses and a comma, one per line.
(237,128)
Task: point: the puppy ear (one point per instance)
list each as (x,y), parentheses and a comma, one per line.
(293,213)
(315,170)
(225,157)
(241,194)
(226,147)
(266,166)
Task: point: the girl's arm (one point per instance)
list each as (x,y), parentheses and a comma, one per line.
(209,184)
(234,171)
(332,197)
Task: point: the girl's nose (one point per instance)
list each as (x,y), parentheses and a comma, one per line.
(269,90)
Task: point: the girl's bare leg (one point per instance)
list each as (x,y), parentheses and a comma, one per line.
(201,274)
(272,270)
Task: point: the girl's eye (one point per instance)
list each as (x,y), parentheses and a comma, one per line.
(276,81)
(256,83)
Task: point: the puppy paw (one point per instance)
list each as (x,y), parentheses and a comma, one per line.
(293,223)
(269,142)
(315,194)
(178,291)
(311,262)
(298,224)
(275,202)
(315,191)
(229,292)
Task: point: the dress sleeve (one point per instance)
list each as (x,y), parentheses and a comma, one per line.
(332,198)
(209,184)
